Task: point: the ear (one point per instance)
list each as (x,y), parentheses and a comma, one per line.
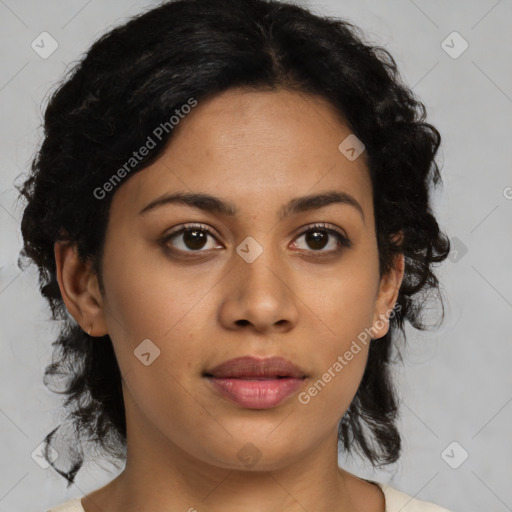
(388,293)
(80,290)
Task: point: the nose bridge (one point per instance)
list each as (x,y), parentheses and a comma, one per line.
(261,265)
(264,295)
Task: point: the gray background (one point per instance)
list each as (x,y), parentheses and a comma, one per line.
(455,383)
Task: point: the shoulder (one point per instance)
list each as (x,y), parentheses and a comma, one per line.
(398,501)
(74,505)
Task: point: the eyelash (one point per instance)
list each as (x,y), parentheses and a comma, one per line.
(343,240)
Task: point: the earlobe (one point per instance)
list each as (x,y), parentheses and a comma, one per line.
(79,289)
(388,295)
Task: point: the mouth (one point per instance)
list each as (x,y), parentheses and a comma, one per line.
(254,383)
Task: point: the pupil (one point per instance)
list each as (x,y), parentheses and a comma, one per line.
(194,239)
(313,238)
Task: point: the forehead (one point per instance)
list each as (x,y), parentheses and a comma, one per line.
(254,147)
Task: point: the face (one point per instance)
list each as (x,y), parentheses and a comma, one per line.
(268,275)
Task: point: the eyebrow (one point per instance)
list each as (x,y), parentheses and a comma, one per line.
(209,203)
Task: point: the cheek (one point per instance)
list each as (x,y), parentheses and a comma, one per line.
(159,316)
(330,393)
(146,297)
(342,312)
(343,306)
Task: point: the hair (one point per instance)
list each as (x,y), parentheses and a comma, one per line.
(130,81)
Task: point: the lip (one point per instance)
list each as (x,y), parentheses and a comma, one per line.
(250,367)
(254,383)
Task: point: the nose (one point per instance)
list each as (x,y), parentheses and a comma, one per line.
(260,295)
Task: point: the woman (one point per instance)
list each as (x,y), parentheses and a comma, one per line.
(232,203)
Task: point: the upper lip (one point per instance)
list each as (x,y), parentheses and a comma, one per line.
(248,366)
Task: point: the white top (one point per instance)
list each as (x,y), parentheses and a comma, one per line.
(396,501)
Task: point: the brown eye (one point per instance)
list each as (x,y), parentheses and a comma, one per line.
(190,239)
(318,237)
(194,239)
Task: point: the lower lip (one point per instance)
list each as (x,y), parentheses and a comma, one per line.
(256,394)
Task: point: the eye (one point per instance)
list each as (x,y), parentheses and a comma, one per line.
(320,236)
(191,238)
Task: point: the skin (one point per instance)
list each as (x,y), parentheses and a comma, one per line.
(258,150)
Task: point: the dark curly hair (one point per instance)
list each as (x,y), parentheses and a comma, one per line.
(135,77)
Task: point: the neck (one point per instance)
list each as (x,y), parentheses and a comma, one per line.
(159,475)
